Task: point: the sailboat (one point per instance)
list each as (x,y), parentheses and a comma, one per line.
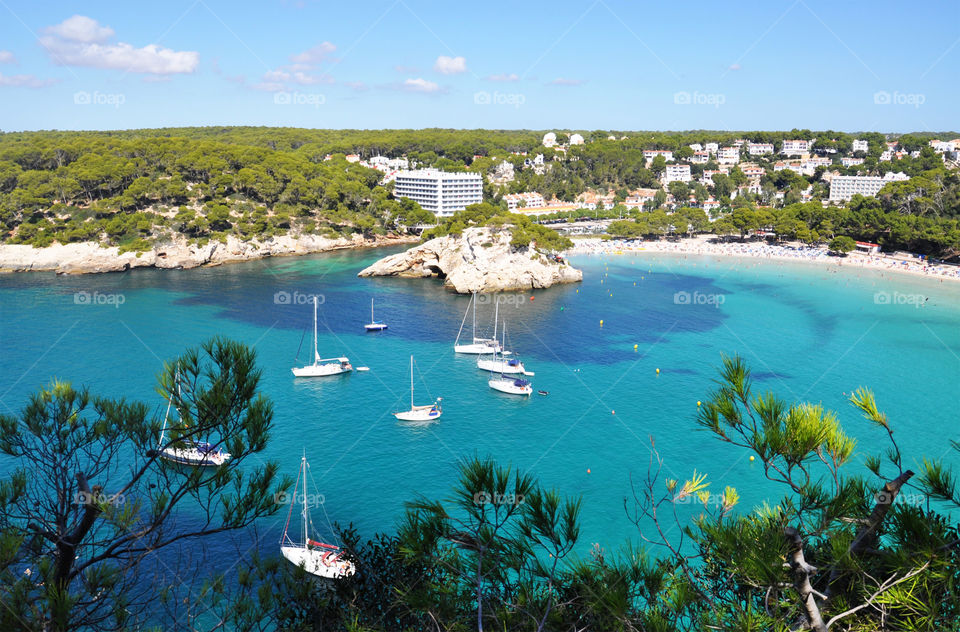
(428,412)
(321,366)
(511,385)
(317,558)
(374,325)
(478,346)
(188,451)
(497,363)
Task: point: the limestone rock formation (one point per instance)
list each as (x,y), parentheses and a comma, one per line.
(479,260)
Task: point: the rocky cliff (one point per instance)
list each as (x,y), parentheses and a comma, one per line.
(81,258)
(479,260)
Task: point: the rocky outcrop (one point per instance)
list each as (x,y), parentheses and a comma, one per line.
(87,257)
(480,260)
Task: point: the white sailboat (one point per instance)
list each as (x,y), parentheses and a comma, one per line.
(478,346)
(316,558)
(497,363)
(374,324)
(188,451)
(428,412)
(321,366)
(511,385)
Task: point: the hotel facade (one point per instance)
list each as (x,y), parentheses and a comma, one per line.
(440,192)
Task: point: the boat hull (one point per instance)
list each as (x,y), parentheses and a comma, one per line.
(317,562)
(320,370)
(418,415)
(194,457)
(500,366)
(508,386)
(375,327)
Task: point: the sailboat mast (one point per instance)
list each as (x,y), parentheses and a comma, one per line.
(316,353)
(474,316)
(496,316)
(306,533)
(371,310)
(411,382)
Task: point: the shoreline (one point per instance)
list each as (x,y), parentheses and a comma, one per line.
(92,258)
(701,246)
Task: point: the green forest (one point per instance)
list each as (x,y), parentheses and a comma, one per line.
(136,188)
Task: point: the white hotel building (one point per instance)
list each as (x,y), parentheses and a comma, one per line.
(795,147)
(440,192)
(842,188)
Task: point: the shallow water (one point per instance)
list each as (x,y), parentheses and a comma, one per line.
(808,332)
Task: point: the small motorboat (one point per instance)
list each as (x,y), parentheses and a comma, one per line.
(543,392)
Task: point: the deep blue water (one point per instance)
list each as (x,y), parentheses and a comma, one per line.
(808,332)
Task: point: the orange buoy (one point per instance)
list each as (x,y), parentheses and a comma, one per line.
(531,298)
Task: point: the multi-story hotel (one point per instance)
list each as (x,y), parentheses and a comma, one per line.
(440,192)
(842,188)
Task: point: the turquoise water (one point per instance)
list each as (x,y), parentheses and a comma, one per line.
(807,331)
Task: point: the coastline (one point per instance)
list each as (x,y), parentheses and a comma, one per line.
(702,246)
(92,258)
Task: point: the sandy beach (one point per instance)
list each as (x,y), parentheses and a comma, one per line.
(703,245)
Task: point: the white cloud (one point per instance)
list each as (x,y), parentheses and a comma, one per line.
(450,65)
(734,67)
(561,81)
(420,85)
(503,77)
(6,57)
(298,72)
(24,81)
(80,28)
(81,41)
(314,55)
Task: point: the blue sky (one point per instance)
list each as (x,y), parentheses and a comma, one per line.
(601,64)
